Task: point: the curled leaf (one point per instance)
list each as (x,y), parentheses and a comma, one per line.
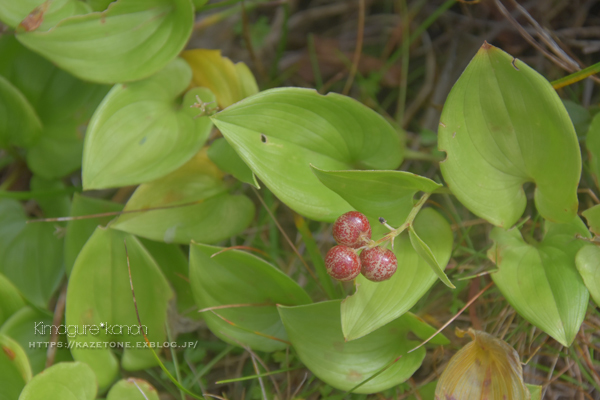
(486,368)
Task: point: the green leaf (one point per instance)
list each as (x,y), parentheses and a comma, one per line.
(57,96)
(99,292)
(19,123)
(217,216)
(79,231)
(592,143)
(15,371)
(426,254)
(143,37)
(386,194)
(56,206)
(580,117)
(235,277)
(141,132)
(132,389)
(63,103)
(592,215)
(504,125)
(57,153)
(224,156)
(375,304)
(279,133)
(65,381)
(228,81)
(540,280)
(174,265)
(10,299)
(26,326)
(30,254)
(48,13)
(588,265)
(316,335)
(535,391)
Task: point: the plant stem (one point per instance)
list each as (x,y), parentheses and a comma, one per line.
(409,220)
(576,77)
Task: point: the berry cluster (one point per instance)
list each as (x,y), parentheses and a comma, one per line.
(352,232)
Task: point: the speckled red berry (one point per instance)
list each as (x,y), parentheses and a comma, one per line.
(378,264)
(352,229)
(342,263)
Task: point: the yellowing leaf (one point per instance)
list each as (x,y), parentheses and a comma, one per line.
(486,368)
(208,213)
(228,81)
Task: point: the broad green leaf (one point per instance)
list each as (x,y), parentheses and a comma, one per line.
(26,327)
(216,216)
(132,389)
(143,37)
(235,277)
(375,304)
(588,265)
(15,371)
(30,254)
(141,131)
(580,117)
(592,143)
(55,206)
(504,125)
(540,281)
(386,194)
(99,293)
(79,231)
(10,299)
(65,381)
(279,133)
(19,123)
(39,14)
(63,103)
(426,254)
(592,216)
(58,151)
(224,156)
(228,81)
(56,95)
(535,391)
(174,265)
(316,335)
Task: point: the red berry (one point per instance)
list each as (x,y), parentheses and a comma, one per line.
(378,264)
(352,229)
(342,263)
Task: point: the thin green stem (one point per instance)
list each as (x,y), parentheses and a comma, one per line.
(245,378)
(174,357)
(576,77)
(409,220)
